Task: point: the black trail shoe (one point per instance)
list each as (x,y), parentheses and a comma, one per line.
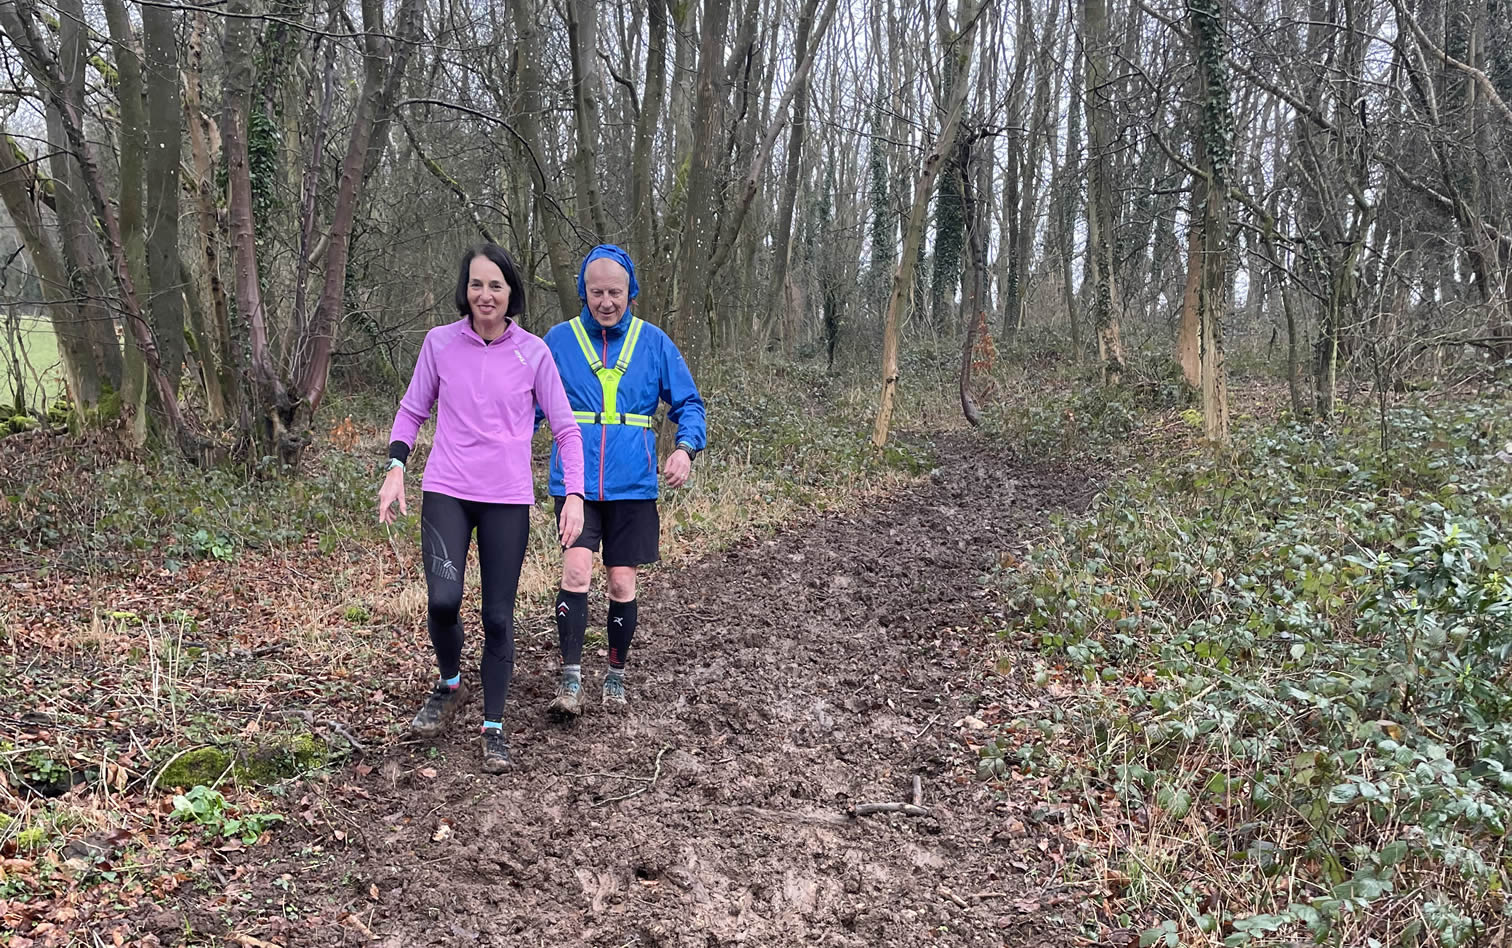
(495,751)
(441,705)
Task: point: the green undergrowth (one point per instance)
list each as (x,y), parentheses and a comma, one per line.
(781,436)
(1284,678)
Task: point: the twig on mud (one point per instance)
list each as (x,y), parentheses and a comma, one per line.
(907,809)
(335,726)
(918,794)
(247,941)
(927,727)
(610,776)
(655,775)
(353,922)
(953,897)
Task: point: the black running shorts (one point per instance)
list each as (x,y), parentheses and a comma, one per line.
(629,530)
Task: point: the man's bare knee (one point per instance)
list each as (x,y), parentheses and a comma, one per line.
(622,583)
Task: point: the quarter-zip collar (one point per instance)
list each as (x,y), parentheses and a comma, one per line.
(469,332)
(596,331)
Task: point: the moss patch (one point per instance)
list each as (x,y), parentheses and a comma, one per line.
(277,758)
(31,839)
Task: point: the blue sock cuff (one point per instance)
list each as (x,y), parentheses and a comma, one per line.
(453,681)
(493,725)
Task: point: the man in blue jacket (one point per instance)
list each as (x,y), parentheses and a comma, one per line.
(616,368)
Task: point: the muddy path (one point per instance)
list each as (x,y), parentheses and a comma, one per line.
(774,688)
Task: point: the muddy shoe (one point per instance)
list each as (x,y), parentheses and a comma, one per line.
(495,751)
(440,707)
(614,694)
(569,698)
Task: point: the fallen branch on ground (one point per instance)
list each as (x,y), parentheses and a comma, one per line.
(655,775)
(926,727)
(907,809)
(335,726)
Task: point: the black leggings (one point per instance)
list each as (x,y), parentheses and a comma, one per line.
(446,524)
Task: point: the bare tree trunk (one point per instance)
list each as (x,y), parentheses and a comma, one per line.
(582,41)
(133,149)
(223,393)
(730,229)
(19,183)
(903,279)
(1189,330)
(784,227)
(1017,191)
(23,34)
(699,220)
(974,290)
(92,330)
(383,74)
(642,198)
(310,248)
(164,134)
(1067,200)
(522,12)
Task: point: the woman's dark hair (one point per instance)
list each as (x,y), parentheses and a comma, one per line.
(500,258)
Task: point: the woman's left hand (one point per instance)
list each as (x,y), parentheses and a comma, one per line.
(570,523)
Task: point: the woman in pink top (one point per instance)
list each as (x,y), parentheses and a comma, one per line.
(485,376)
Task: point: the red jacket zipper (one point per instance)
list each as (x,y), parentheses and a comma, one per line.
(603,428)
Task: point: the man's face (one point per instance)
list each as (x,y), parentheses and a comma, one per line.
(606,286)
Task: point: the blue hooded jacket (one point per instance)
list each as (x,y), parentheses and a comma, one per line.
(619,461)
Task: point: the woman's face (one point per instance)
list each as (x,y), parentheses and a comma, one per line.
(487,291)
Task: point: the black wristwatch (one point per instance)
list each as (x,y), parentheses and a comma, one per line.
(692,451)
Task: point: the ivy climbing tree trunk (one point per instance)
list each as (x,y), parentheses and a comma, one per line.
(1214,152)
(269,393)
(1107,304)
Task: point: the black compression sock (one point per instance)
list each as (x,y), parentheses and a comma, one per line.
(572,624)
(622,616)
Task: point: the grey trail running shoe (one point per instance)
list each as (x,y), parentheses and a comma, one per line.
(614,694)
(495,751)
(569,697)
(440,707)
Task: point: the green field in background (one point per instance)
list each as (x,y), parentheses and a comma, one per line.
(42,370)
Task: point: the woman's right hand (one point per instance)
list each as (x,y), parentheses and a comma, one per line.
(392,490)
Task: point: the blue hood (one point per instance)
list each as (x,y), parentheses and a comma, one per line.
(607,251)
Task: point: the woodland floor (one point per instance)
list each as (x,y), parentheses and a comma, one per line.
(775,686)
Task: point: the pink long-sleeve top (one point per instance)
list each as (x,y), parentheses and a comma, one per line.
(485,394)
